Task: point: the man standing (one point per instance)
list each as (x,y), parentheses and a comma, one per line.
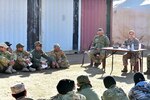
(59,56)
(96,54)
(6,60)
(23,59)
(85,88)
(37,54)
(131,43)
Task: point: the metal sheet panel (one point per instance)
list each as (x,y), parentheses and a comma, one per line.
(13,21)
(93,16)
(57,23)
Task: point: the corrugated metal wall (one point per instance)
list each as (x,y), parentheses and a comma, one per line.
(57,23)
(13,21)
(93,16)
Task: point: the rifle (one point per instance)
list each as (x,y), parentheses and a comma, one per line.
(85,52)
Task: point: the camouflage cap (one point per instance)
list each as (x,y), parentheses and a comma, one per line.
(3,45)
(56,45)
(83,79)
(19,45)
(37,43)
(18,88)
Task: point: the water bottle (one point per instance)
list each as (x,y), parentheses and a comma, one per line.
(132,46)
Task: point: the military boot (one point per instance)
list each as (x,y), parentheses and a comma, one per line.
(9,70)
(32,69)
(124,69)
(25,69)
(13,70)
(147,72)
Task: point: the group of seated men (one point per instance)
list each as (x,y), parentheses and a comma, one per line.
(37,59)
(66,90)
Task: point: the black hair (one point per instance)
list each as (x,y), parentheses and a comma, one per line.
(65,85)
(109,81)
(21,94)
(138,77)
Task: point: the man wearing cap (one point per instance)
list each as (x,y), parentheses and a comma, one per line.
(9,46)
(37,54)
(112,92)
(19,92)
(23,59)
(132,41)
(6,59)
(59,56)
(85,88)
(96,54)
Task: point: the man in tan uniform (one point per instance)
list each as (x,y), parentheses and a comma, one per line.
(132,40)
(23,59)
(59,56)
(95,53)
(6,60)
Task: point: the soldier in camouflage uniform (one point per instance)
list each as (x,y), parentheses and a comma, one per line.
(131,55)
(23,59)
(6,60)
(37,54)
(85,88)
(59,56)
(65,89)
(148,65)
(95,53)
(113,92)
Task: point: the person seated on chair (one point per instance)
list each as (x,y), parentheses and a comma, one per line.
(6,60)
(59,56)
(148,65)
(37,55)
(19,92)
(131,43)
(96,54)
(22,59)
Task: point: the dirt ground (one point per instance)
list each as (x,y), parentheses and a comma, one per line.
(42,85)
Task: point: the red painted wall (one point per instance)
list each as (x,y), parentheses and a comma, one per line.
(93,16)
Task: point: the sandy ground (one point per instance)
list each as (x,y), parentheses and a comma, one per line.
(42,85)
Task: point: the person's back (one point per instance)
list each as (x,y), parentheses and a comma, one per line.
(141,90)
(89,93)
(114,93)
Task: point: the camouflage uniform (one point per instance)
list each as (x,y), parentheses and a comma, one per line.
(5,58)
(148,65)
(130,55)
(69,96)
(98,43)
(36,58)
(114,93)
(60,58)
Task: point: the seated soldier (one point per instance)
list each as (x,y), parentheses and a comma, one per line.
(113,92)
(59,56)
(6,60)
(65,89)
(23,59)
(19,92)
(85,88)
(132,40)
(37,54)
(141,90)
(96,54)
